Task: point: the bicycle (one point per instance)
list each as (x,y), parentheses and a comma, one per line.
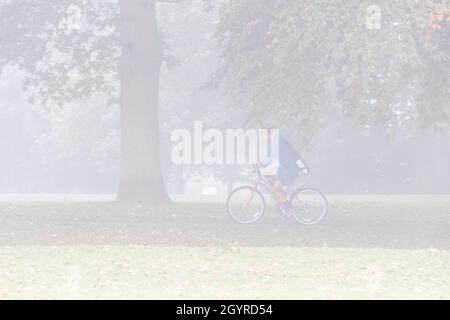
(247,204)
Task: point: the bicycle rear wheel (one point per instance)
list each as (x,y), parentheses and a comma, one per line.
(246,205)
(308,206)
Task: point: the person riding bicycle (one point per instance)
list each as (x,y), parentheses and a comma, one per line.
(281,169)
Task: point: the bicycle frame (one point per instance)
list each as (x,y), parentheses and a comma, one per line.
(265,184)
(262,184)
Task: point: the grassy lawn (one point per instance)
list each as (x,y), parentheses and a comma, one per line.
(225,273)
(370,247)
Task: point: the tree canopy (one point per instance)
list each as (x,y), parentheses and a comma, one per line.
(291,60)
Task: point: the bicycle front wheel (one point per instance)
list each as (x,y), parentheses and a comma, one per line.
(308,206)
(246,205)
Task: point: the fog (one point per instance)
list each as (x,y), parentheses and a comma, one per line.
(91,93)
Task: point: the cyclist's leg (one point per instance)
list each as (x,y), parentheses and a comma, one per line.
(276,188)
(278,191)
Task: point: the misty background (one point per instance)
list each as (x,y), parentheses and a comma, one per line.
(72,145)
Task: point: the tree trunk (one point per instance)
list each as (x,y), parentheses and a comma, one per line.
(179,182)
(140,177)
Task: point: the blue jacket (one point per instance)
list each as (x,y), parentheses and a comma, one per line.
(288,158)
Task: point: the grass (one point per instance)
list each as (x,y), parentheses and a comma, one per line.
(140,272)
(370,247)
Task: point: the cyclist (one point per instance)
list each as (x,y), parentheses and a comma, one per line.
(281,169)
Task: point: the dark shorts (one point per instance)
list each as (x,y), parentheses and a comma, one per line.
(286,177)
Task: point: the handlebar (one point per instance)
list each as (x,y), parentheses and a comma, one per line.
(304,169)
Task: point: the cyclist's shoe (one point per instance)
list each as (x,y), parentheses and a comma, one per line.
(284,209)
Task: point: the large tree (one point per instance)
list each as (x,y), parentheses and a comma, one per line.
(140,66)
(73,49)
